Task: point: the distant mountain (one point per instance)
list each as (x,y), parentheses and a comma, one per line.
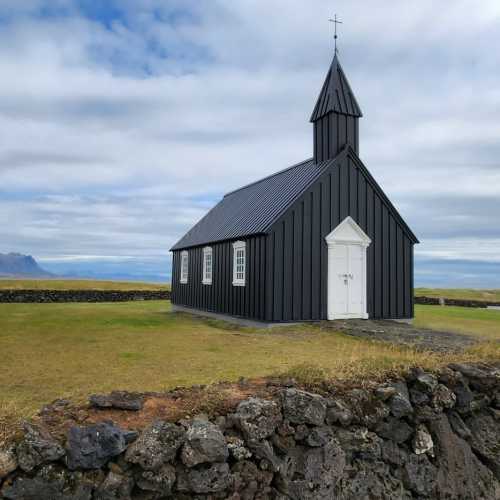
(18,265)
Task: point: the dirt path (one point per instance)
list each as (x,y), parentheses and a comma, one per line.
(401,333)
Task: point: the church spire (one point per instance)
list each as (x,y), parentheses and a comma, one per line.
(336,94)
(335,116)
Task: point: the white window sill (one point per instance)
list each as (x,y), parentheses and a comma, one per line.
(183,282)
(206,282)
(238,283)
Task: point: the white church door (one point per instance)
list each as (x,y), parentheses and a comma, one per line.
(347,245)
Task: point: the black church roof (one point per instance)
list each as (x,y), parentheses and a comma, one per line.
(336,95)
(252,209)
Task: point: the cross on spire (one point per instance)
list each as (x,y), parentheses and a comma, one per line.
(335,21)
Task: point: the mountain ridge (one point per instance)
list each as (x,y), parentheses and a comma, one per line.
(15,264)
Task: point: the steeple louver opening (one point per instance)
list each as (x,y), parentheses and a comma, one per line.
(335,116)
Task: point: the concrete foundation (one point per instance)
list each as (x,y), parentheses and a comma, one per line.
(229,319)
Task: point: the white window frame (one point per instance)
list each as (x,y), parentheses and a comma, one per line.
(239,251)
(207,272)
(184,267)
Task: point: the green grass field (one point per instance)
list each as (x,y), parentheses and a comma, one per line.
(459,293)
(22,284)
(483,323)
(71,350)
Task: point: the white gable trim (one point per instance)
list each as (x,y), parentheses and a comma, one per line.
(348,232)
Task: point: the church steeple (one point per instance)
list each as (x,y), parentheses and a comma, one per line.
(335,116)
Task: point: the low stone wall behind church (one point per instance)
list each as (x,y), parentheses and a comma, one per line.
(47,296)
(443,301)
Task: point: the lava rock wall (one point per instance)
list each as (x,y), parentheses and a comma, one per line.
(43,296)
(443,301)
(427,435)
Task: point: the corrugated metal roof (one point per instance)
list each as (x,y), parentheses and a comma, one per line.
(336,95)
(253,208)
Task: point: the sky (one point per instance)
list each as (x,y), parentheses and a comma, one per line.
(123,121)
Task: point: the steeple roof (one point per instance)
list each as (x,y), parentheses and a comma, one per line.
(336,95)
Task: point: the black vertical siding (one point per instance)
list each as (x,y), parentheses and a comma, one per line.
(287,268)
(221,296)
(332,133)
(298,238)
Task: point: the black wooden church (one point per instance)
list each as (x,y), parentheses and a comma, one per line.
(318,240)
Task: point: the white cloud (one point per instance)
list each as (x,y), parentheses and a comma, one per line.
(115,139)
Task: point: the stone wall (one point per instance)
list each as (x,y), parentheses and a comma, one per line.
(443,301)
(424,436)
(42,296)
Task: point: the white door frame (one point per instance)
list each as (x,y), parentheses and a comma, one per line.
(346,233)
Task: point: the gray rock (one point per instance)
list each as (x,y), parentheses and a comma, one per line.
(400,406)
(93,446)
(422,441)
(338,412)
(50,483)
(264,450)
(115,487)
(460,473)
(384,392)
(418,397)
(285,429)
(204,443)
(37,447)
(480,402)
(464,396)
(367,410)
(469,370)
(205,479)
(8,461)
(481,377)
(424,413)
(370,480)
(359,442)
(443,398)
(426,382)
(396,430)
(283,443)
(459,426)
(485,440)
(250,482)
(121,400)
(257,418)
(302,407)
(312,473)
(402,389)
(496,400)
(319,436)
(419,475)
(393,454)
(157,445)
(238,450)
(159,481)
(301,432)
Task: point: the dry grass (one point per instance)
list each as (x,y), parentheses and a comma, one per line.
(55,284)
(71,350)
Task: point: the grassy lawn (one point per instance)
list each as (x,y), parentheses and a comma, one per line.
(484,323)
(22,284)
(459,293)
(71,350)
